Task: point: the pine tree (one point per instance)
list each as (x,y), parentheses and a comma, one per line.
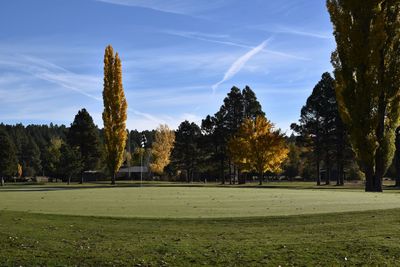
(70,161)
(251,107)
(8,159)
(367,80)
(115,112)
(31,162)
(321,129)
(238,105)
(185,153)
(83,135)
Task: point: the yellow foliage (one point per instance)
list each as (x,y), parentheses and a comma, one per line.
(19,171)
(258,147)
(114,115)
(162,148)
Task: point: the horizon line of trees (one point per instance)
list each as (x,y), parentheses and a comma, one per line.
(193,152)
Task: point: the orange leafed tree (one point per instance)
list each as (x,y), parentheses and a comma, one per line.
(115,112)
(162,148)
(257,146)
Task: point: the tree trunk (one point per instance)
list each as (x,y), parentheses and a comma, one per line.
(340,175)
(260,177)
(397,181)
(222,172)
(373,182)
(318,174)
(2,181)
(81,181)
(230,171)
(328,175)
(113,178)
(69,180)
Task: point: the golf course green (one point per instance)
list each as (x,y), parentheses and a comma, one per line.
(190,202)
(158,225)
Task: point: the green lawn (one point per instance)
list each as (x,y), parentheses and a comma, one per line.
(189,202)
(366,238)
(160,226)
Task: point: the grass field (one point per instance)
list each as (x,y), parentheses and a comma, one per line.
(161,226)
(190,202)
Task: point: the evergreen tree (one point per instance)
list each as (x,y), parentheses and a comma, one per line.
(185,153)
(83,135)
(367,80)
(31,162)
(114,115)
(70,161)
(8,159)
(251,107)
(321,129)
(238,105)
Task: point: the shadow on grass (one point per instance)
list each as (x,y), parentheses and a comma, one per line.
(273,185)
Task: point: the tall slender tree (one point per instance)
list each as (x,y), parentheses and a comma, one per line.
(115,112)
(397,157)
(367,73)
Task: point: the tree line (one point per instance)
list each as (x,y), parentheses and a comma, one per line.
(212,151)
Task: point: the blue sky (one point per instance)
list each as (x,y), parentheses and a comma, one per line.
(180,57)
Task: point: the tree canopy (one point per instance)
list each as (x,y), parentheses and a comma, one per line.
(257,146)
(115,112)
(367,73)
(162,148)
(84,135)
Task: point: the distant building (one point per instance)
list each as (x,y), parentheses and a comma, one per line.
(133,169)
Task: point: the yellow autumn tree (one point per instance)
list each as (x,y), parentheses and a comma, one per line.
(114,114)
(258,147)
(19,171)
(162,148)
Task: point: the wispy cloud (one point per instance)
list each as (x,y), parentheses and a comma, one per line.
(50,72)
(182,7)
(239,63)
(145,121)
(223,40)
(306,33)
(294,31)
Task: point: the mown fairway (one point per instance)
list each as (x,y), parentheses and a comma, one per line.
(190,202)
(344,239)
(162,226)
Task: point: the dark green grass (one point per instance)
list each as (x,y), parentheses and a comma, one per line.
(363,238)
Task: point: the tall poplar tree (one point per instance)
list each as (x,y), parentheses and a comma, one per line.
(367,74)
(115,112)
